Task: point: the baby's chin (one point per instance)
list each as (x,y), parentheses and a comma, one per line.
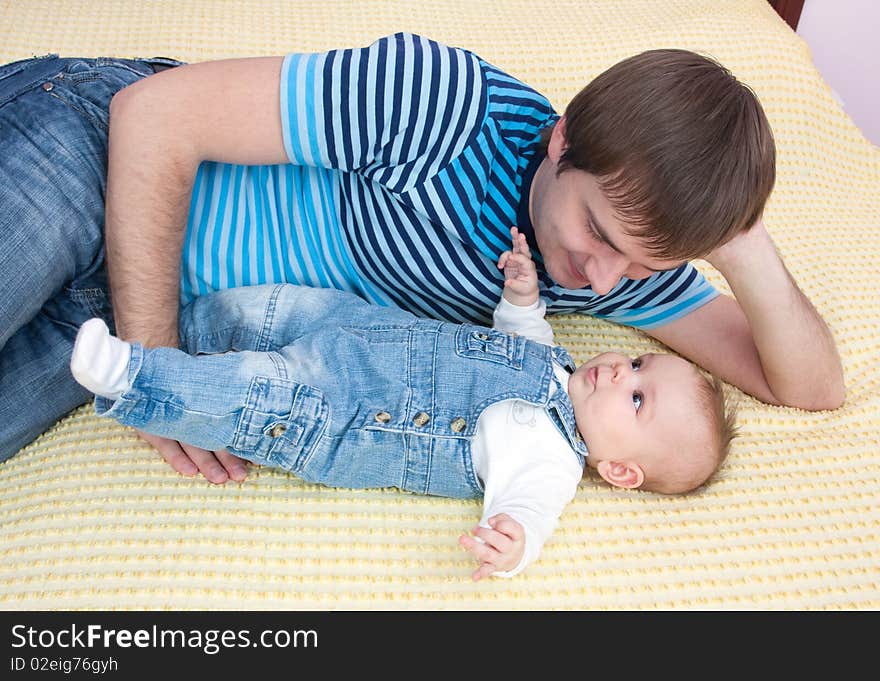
(580,424)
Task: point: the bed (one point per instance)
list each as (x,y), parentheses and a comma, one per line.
(92,518)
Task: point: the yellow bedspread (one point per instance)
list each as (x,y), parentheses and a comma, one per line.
(92,518)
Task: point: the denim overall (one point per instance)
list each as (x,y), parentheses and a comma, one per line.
(336,390)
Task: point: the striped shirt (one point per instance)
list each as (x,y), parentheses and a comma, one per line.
(409,161)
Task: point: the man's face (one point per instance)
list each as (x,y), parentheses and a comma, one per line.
(579,235)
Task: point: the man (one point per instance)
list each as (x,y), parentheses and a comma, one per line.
(396,171)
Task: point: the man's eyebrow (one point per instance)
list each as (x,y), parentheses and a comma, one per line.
(603,234)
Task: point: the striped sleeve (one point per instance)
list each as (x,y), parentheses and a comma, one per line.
(658,300)
(397,110)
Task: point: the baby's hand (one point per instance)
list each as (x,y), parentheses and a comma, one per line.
(498,549)
(520,275)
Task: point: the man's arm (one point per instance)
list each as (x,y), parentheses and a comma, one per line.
(161,129)
(769,341)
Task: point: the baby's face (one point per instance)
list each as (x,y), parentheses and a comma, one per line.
(632,409)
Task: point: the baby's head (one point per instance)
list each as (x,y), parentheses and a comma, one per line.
(654,422)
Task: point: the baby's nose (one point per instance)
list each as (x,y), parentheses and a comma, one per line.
(622,369)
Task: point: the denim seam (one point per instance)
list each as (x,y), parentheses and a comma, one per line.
(31,85)
(124,405)
(471,470)
(103,63)
(145,61)
(277,453)
(91,298)
(22,64)
(434,354)
(268,319)
(86,293)
(84,114)
(79,78)
(405,439)
(314,439)
(241,432)
(279,364)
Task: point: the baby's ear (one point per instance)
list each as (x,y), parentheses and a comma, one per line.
(621,473)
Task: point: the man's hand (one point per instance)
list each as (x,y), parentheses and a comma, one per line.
(499,548)
(217,467)
(740,248)
(520,275)
(767,339)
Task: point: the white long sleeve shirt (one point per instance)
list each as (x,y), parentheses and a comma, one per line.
(527,467)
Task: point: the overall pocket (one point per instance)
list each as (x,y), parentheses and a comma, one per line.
(282,422)
(479,342)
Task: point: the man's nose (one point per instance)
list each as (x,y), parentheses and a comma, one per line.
(607,271)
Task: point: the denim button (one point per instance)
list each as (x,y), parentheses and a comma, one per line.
(421,419)
(48,87)
(458,424)
(278,429)
(383,417)
(482,336)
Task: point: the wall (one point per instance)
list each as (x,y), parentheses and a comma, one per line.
(843,38)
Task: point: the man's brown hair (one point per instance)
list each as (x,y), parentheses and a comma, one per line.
(678,145)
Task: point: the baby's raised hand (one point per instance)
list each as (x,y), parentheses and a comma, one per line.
(498,548)
(520,275)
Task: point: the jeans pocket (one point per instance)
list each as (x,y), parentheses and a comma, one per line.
(98,114)
(88,85)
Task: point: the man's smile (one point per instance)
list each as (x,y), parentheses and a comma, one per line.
(576,274)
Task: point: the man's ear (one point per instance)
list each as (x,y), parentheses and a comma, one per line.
(621,473)
(557,144)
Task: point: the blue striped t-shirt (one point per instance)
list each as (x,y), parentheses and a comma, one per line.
(409,161)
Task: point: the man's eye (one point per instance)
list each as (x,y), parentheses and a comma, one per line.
(637,400)
(594,233)
(636,364)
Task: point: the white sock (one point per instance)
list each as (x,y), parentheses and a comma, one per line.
(100,361)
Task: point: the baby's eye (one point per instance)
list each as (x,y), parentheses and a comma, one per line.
(636,364)
(637,400)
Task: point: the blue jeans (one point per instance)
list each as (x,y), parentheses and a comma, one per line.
(53,166)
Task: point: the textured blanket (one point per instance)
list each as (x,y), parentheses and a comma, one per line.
(92,518)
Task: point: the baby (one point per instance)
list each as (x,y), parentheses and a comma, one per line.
(337,391)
